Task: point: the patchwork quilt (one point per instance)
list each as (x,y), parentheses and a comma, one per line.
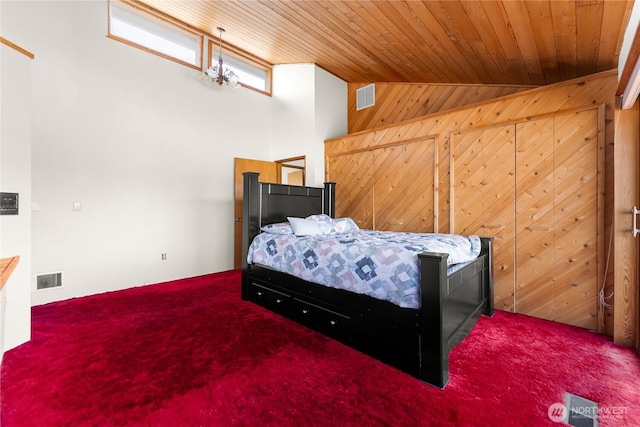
(381,264)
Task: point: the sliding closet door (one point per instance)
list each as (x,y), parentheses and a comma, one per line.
(535,213)
(558,218)
(578,223)
(353,175)
(483,198)
(403,187)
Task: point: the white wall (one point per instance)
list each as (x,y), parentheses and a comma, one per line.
(330,117)
(144,147)
(311,107)
(15,177)
(293,112)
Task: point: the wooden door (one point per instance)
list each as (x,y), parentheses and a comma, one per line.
(557,218)
(624,268)
(483,199)
(535,218)
(295,178)
(269,172)
(577,218)
(353,175)
(403,187)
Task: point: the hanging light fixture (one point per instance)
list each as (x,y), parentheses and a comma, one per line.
(218,76)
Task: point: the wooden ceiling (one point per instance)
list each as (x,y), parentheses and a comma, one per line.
(534,42)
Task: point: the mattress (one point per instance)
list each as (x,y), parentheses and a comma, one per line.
(381,264)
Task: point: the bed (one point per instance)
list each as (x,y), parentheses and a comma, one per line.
(414,340)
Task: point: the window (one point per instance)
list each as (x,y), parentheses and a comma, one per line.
(146,31)
(253,73)
(162,35)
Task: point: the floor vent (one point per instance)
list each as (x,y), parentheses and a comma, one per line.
(49,280)
(366,97)
(581,412)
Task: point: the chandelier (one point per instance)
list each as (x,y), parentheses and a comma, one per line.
(218,76)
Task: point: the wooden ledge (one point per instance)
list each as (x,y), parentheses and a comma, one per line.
(7,265)
(16,47)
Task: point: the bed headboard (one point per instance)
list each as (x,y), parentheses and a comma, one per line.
(265,203)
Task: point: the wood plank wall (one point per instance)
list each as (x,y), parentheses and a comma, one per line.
(625,247)
(597,90)
(396,102)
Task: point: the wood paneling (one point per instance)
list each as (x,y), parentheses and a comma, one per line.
(355,198)
(624,259)
(388,188)
(549,118)
(578,224)
(591,90)
(483,198)
(558,218)
(533,42)
(403,187)
(533,186)
(535,252)
(398,102)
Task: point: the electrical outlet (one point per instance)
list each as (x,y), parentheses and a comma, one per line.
(164,257)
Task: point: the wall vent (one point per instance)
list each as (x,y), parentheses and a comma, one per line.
(366,97)
(49,280)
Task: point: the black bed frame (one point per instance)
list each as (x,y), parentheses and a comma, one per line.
(416,341)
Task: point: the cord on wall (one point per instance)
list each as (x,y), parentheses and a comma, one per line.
(603,300)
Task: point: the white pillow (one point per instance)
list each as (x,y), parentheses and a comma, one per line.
(344,225)
(324,221)
(278,228)
(304,227)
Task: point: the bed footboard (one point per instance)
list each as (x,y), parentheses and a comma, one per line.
(450,307)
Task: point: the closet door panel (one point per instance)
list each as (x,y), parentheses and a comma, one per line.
(498,208)
(497,185)
(535,279)
(418,185)
(403,187)
(483,187)
(577,218)
(353,175)
(577,287)
(468,172)
(387,176)
(535,218)
(576,273)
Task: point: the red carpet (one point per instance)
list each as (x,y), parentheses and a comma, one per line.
(192,353)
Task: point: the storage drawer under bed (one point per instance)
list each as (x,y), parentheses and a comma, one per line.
(273,300)
(325,321)
(321,319)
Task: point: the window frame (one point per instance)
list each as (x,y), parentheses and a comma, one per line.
(240,56)
(151,14)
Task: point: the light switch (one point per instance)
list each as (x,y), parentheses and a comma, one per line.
(77,206)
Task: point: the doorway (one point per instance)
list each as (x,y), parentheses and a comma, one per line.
(290,171)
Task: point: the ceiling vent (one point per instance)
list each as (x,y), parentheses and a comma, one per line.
(366,97)
(49,280)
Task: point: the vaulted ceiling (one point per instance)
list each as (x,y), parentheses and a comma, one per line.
(533,42)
